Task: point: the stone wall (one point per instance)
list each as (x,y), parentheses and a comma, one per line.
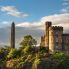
(66,43)
(54,38)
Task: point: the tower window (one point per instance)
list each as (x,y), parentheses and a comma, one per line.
(56,33)
(56,39)
(56,45)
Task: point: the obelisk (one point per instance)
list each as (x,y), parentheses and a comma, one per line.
(13,35)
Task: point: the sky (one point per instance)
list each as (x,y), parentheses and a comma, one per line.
(30,15)
(30,10)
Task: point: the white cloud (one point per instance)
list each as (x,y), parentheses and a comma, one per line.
(5,22)
(65,9)
(25,24)
(34,25)
(11,10)
(65,3)
(66,0)
(56,19)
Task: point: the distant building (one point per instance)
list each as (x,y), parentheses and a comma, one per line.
(13,35)
(54,39)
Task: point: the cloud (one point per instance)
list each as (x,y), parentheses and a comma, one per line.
(65,0)
(25,24)
(11,10)
(57,19)
(33,25)
(65,9)
(65,3)
(5,22)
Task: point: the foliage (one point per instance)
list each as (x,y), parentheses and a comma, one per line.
(17,60)
(37,58)
(27,50)
(2,54)
(28,41)
(11,64)
(13,53)
(62,60)
(60,57)
(43,49)
(26,55)
(7,48)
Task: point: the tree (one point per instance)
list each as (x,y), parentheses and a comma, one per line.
(62,60)
(28,41)
(14,53)
(2,54)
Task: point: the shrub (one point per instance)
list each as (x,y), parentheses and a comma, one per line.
(12,54)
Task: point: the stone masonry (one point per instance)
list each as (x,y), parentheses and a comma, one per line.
(54,39)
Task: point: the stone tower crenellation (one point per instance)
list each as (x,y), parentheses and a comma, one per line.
(55,38)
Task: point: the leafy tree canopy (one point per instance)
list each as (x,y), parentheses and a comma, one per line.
(28,41)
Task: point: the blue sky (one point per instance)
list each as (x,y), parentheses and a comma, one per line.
(35,9)
(30,17)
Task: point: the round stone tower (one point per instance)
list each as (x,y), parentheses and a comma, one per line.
(47,25)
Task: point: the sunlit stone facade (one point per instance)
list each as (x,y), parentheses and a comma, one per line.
(54,39)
